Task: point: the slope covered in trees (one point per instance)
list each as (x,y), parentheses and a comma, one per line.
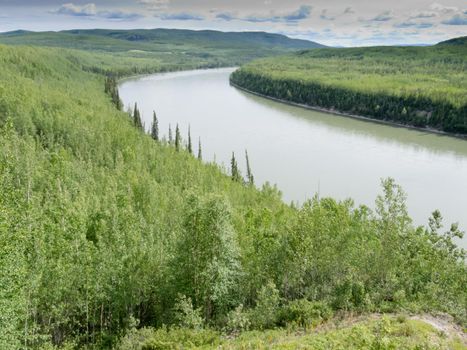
(153,50)
(417,86)
(103,230)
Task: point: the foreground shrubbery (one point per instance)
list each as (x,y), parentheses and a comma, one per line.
(102,230)
(375,334)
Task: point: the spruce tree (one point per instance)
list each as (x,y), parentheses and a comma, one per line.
(155,127)
(171,139)
(189,147)
(249,174)
(236,176)
(178,138)
(200,155)
(137,118)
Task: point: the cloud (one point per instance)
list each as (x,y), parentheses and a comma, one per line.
(226,16)
(383,17)
(75,10)
(456,20)
(441,8)
(424,14)
(324,15)
(349,11)
(303,12)
(409,24)
(90,10)
(154,5)
(182,16)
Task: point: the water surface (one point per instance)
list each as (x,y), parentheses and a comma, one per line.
(306,152)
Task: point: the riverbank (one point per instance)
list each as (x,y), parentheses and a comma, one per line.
(349,115)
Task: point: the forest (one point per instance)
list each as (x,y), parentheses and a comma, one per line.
(114,238)
(131,52)
(415,86)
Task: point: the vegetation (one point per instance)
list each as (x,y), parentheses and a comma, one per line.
(417,86)
(379,333)
(125,52)
(105,231)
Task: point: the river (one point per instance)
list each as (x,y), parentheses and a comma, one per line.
(307,152)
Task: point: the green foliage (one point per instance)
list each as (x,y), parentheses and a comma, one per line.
(184,314)
(155,127)
(238,320)
(234,170)
(418,86)
(266,312)
(101,228)
(305,313)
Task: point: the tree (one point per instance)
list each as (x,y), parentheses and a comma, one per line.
(155,127)
(189,147)
(178,138)
(137,118)
(170,135)
(206,265)
(200,154)
(249,174)
(235,172)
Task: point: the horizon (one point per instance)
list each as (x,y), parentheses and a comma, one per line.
(340,23)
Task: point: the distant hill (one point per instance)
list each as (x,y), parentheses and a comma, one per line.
(455,41)
(155,39)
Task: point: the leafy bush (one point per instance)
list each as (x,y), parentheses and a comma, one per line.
(305,313)
(185,315)
(265,314)
(237,320)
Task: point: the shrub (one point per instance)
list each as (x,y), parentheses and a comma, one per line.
(185,315)
(265,314)
(305,313)
(237,320)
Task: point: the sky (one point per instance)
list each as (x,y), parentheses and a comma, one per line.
(330,22)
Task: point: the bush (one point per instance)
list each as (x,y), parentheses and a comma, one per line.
(305,313)
(237,321)
(265,314)
(185,316)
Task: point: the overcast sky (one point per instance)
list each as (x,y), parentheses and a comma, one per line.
(331,22)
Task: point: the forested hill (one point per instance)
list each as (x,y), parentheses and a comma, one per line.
(418,86)
(461,41)
(153,50)
(108,233)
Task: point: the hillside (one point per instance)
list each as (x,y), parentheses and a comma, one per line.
(105,231)
(417,86)
(153,50)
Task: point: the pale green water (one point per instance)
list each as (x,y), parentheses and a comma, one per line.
(303,151)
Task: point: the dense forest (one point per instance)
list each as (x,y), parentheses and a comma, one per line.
(110,237)
(417,86)
(127,52)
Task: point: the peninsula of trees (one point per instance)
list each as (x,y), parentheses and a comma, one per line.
(423,87)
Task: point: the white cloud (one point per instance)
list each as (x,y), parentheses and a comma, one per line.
(155,5)
(75,10)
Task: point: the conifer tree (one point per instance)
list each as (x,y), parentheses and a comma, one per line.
(155,127)
(236,176)
(200,155)
(249,174)
(170,135)
(137,118)
(189,147)
(178,138)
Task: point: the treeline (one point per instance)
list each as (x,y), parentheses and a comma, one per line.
(410,110)
(420,87)
(104,230)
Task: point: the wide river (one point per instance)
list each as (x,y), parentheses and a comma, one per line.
(306,152)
